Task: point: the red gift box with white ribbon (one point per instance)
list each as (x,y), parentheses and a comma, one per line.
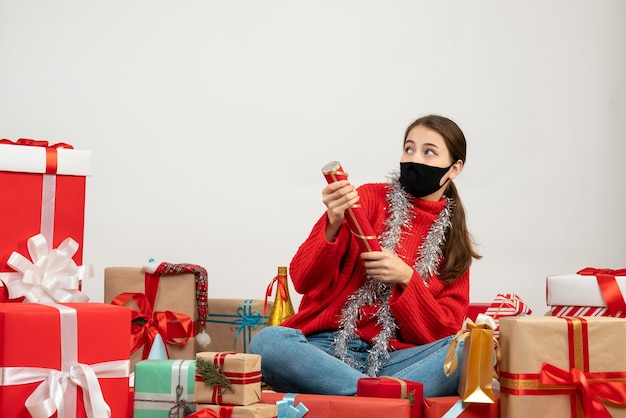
(43,186)
(62,360)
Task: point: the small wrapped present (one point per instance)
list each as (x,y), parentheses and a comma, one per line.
(232,323)
(589,292)
(45,184)
(563,367)
(162,298)
(504,305)
(166,386)
(479,359)
(255,410)
(453,406)
(228,378)
(323,406)
(390,387)
(52,359)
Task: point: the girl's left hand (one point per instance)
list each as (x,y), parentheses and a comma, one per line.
(387,267)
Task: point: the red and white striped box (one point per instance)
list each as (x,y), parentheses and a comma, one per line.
(504,305)
(584,311)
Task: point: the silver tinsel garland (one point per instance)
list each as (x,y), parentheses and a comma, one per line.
(374,292)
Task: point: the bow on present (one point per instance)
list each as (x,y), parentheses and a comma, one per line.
(181,404)
(244,321)
(591,386)
(51,150)
(35,143)
(58,388)
(286,408)
(608,287)
(146,324)
(51,276)
(482,322)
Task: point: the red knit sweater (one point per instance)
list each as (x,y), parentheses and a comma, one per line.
(327,273)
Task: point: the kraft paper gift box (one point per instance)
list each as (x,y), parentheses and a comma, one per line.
(589,292)
(175,294)
(256,410)
(323,406)
(164,388)
(228,378)
(75,353)
(390,387)
(454,407)
(562,367)
(232,323)
(43,186)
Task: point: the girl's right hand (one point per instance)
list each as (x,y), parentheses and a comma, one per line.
(338,197)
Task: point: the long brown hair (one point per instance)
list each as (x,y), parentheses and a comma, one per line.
(459,246)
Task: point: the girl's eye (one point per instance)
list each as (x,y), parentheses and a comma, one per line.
(408,150)
(429,152)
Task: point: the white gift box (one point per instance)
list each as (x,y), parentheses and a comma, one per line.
(577,290)
(32,159)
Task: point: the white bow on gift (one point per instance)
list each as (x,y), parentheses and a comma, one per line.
(51,276)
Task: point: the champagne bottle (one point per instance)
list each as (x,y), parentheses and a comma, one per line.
(282,308)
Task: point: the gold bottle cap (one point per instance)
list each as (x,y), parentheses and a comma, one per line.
(331,167)
(282,271)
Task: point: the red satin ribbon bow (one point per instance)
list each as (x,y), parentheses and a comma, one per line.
(281,290)
(171,325)
(51,150)
(36,143)
(591,386)
(608,287)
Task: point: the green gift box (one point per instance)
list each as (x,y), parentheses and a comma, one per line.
(164,388)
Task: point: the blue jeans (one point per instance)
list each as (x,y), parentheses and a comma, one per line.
(292,362)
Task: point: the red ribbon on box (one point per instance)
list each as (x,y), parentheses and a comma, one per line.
(584,387)
(51,150)
(146,324)
(234,378)
(608,287)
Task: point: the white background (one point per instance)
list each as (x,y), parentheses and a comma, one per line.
(209,122)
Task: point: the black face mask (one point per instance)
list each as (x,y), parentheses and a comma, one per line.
(420,180)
